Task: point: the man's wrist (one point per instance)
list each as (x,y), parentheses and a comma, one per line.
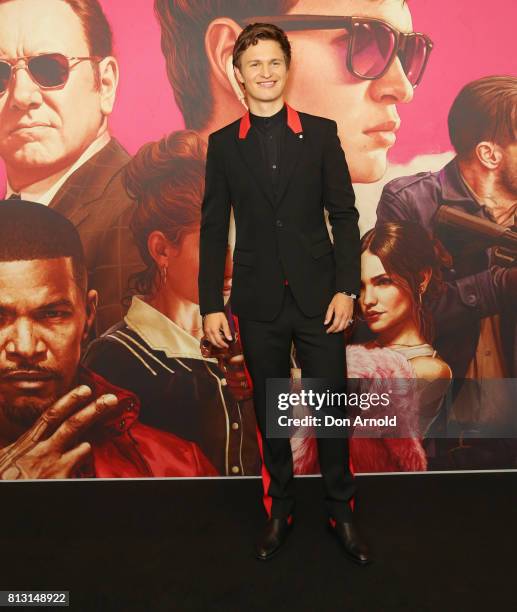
(212,312)
(349,294)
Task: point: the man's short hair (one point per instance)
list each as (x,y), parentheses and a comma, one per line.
(485,109)
(96,28)
(261,31)
(183,25)
(30,231)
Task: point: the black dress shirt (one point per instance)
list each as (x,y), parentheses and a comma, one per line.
(270,132)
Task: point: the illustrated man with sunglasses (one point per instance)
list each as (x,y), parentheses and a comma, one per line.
(58,81)
(354,61)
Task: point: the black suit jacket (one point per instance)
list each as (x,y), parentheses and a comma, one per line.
(282,238)
(94,199)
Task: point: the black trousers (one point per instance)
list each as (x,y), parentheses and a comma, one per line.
(267,351)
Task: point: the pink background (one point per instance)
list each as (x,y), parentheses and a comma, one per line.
(472,38)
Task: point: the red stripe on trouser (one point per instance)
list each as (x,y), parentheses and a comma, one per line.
(266,478)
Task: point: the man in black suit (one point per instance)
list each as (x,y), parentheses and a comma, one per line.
(278,169)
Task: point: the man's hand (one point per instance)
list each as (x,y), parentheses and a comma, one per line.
(50,448)
(215,326)
(341,308)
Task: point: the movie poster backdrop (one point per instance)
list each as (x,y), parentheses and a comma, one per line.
(118,147)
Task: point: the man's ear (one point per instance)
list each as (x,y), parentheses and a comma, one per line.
(220,39)
(92,299)
(108,77)
(489,154)
(233,73)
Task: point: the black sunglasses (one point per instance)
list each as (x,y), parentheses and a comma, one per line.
(48,70)
(373,44)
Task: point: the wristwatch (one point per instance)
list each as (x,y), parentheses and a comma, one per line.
(352,295)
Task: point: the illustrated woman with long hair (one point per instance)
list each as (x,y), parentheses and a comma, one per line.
(155,351)
(400,275)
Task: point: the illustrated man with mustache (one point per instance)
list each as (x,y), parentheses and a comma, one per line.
(57,419)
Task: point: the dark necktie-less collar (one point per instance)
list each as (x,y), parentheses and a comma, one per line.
(266,123)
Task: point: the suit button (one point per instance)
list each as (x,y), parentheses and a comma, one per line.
(279,223)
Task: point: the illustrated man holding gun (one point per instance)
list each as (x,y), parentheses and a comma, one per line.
(471,206)
(279,168)
(481,181)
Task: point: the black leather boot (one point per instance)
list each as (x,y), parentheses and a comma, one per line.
(347,535)
(272,537)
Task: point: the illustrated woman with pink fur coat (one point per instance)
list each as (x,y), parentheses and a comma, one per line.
(400,270)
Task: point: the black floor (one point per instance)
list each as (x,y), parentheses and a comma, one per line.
(441,542)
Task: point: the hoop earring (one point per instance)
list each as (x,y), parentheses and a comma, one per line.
(163,272)
(421,290)
(421,314)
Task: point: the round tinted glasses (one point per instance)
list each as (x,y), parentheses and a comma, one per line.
(48,70)
(373,44)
